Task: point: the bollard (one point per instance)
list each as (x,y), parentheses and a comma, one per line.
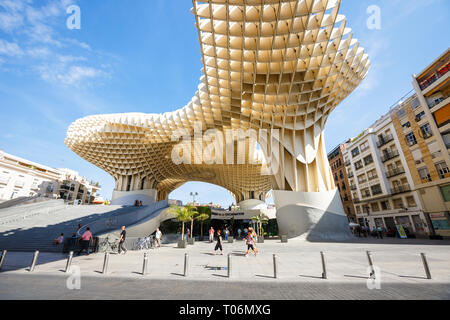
(2,259)
(275,265)
(69,261)
(324,267)
(425,265)
(369,257)
(229,265)
(144,267)
(105,263)
(33,263)
(186,256)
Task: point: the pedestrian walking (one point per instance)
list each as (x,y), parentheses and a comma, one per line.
(380,232)
(250,242)
(239,233)
(123,236)
(255,238)
(158,237)
(227,232)
(188,233)
(85,241)
(219,243)
(211,234)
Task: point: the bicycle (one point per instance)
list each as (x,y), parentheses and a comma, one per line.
(108,246)
(146,243)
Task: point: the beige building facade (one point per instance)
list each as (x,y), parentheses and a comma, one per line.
(23,178)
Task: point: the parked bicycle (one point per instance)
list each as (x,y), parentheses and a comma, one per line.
(146,243)
(108,245)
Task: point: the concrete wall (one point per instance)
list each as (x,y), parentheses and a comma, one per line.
(127,198)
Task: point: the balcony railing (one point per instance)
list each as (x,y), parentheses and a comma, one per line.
(384,140)
(389,155)
(436,102)
(347,163)
(400,189)
(372,178)
(377,192)
(428,82)
(353,187)
(350,174)
(395,172)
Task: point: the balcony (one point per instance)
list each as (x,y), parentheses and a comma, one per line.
(19,184)
(347,163)
(389,155)
(377,192)
(400,189)
(353,187)
(383,140)
(356,200)
(350,174)
(372,178)
(394,172)
(439,74)
(437,101)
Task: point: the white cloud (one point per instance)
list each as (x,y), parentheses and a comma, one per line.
(36,44)
(10,48)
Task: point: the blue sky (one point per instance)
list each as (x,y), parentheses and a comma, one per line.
(144,56)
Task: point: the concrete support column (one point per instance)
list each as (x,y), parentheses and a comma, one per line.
(311,215)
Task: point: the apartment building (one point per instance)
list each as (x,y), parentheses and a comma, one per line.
(382,189)
(23,178)
(336,160)
(398,169)
(423,125)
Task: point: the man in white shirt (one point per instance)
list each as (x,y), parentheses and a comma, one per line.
(158,236)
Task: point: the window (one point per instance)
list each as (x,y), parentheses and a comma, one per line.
(365,193)
(343,186)
(372,174)
(362,179)
(426,131)
(364,146)
(358,209)
(411,202)
(415,104)
(374,207)
(341,175)
(358,165)
(368,160)
(442,169)
(385,205)
(406,125)
(411,139)
(420,116)
(398,203)
(424,174)
(401,113)
(376,189)
(355,152)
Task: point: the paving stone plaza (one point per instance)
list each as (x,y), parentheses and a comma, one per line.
(401,272)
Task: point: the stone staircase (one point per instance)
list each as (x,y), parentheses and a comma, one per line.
(35,228)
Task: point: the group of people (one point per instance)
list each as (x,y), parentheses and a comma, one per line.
(366,231)
(250,239)
(138,203)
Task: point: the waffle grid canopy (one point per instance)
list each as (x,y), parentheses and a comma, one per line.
(268,64)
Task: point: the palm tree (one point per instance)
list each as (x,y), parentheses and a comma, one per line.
(260,219)
(182,214)
(193,212)
(202,217)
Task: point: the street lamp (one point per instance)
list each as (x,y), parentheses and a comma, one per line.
(193,195)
